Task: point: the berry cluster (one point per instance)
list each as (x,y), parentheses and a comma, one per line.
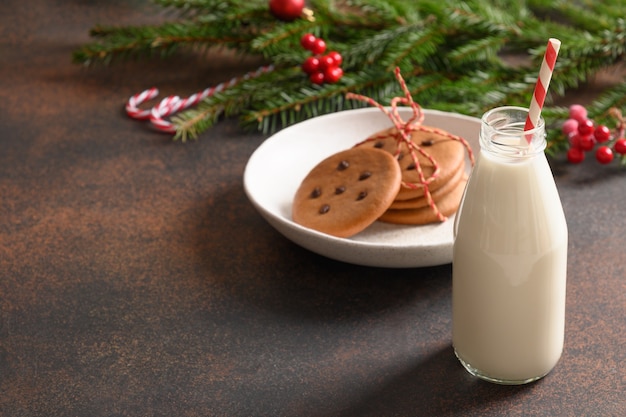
(584,134)
(319,67)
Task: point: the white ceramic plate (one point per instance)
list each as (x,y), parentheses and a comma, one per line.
(276,169)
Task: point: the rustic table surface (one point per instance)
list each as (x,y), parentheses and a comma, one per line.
(136,279)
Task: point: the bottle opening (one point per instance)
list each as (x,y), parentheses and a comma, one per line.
(502,132)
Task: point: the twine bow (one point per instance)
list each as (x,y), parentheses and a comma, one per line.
(402,135)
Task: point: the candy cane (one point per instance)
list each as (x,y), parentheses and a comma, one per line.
(166,107)
(541,88)
(173,104)
(132,108)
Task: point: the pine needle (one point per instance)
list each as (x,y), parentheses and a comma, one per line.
(452,53)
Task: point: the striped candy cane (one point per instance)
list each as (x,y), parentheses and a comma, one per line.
(173,104)
(132,106)
(167,106)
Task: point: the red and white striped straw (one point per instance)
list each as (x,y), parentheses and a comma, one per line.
(541,88)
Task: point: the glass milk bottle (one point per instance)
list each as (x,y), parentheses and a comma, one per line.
(509,257)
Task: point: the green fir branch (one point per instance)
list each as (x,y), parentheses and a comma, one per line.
(453,54)
(616,97)
(164,40)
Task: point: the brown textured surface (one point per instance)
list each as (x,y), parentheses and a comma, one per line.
(137,280)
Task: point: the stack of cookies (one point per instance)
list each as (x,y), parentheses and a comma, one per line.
(410,205)
(378,180)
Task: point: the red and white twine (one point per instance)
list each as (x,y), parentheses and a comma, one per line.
(173,104)
(403,135)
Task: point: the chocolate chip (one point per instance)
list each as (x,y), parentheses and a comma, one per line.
(324,209)
(411,166)
(400,156)
(379,144)
(340,190)
(428,142)
(316,192)
(365,175)
(361,195)
(343,165)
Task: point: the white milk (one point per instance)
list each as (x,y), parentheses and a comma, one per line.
(509,263)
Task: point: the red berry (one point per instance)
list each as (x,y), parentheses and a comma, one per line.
(585,127)
(602,134)
(620,146)
(578,112)
(584,143)
(307,40)
(317,78)
(318,47)
(333,74)
(604,154)
(311,65)
(570,126)
(286,10)
(327,62)
(337,57)
(575,155)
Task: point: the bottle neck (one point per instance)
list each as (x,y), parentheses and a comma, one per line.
(502,134)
